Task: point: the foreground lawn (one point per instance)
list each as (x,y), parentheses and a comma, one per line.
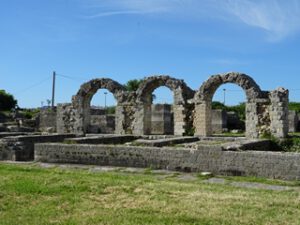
(33,195)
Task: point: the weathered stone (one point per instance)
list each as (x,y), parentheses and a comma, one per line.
(275,165)
(266,112)
(219,120)
(293,121)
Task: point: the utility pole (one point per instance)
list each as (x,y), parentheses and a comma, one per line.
(224,95)
(53,89)
(105,93)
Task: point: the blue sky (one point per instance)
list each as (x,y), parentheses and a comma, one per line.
(131,39)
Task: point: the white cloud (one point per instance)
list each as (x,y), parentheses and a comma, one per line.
(278,18)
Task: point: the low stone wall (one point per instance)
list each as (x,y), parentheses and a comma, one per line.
(166,141)
(11,134)
(21,148)
(247,163)
(114,139)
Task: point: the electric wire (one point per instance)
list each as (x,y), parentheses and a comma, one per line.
(34,85)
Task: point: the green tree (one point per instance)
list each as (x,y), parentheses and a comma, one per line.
(294,106)
(218,105)
(133,85)
(239,109)
(7,101)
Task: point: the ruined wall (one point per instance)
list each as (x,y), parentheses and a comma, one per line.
(66,118)
(219,120)
(181,92)
(279,113)
(21,148)
(293,121)
(266,112)
(47,120)
(162,119)
(274,165)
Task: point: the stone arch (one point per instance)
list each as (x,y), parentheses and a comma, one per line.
(81,101)
(203,99)
(181,94)
(209,87)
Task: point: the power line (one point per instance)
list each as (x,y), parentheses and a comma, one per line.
(71,78)
(34,85)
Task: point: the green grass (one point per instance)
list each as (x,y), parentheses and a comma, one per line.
(229,134)
(33,195)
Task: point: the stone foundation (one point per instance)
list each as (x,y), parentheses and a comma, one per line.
(21,148)
(273,165)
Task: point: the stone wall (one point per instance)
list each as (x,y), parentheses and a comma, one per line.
(21,148)
(266,112)
(219,120)
(104,124)
(162,119)
(47,120)
(247,163)
(293,121)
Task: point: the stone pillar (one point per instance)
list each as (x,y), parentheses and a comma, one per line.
(118,120)
(142,119)
(293,121)
(179,119)
(161,119)
(252,121)
(47,120)
(65,120)
(219,120)
(202,119)
(279,112)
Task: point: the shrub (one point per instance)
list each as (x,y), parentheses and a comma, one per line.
(7,101)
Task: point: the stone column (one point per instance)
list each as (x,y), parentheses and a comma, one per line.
(252,121)
(279,112)
(119,120)
(142,119)
(65,118)
(179,119)
(202,119)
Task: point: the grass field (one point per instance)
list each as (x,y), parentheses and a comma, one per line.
(33,195)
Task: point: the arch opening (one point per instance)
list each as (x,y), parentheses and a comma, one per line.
(83,99)
(228,111)
(102,112)
(144,98)
(204,97)
(161,116)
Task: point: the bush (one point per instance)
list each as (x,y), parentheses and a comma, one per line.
(111,110)
(239,109)
(294,106)
(7,101)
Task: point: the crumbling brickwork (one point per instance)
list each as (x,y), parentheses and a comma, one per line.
(266,112)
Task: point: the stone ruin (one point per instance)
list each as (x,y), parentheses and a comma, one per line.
(139,125)
(266,111)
